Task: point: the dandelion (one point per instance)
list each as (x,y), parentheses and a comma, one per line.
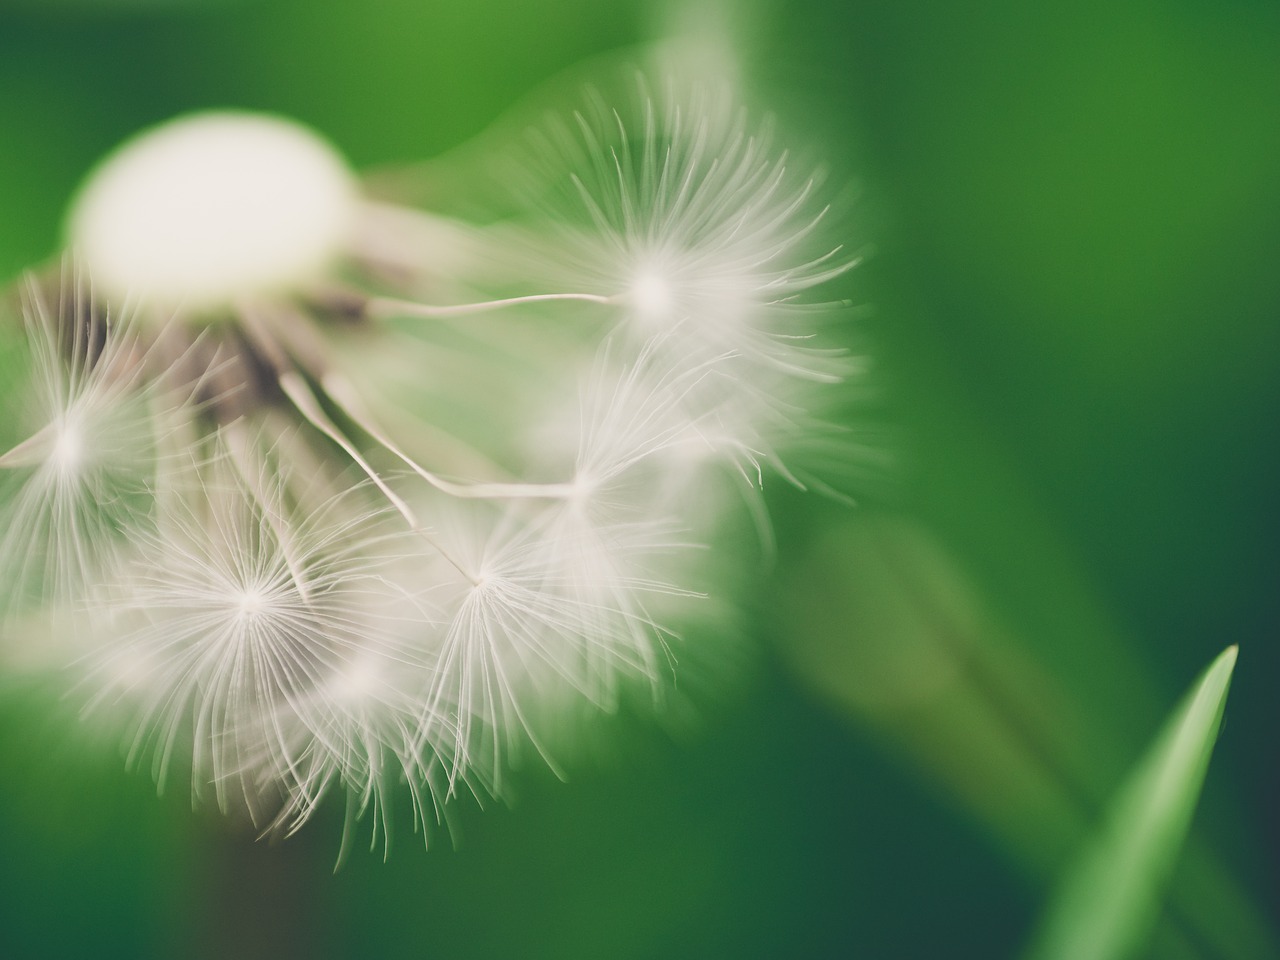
(366,500)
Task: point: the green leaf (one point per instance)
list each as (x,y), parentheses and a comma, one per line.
(1110,898)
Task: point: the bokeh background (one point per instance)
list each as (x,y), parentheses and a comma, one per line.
(1071,222)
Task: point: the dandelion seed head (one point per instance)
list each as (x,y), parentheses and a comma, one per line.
(211,207)
(343,540)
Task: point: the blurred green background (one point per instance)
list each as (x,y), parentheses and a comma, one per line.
(1072,221)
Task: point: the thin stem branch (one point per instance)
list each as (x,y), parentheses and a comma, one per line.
(391,307)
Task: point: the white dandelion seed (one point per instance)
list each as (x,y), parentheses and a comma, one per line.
(702,241)
(552,608)
(250,638)
(101,423)
(687,218)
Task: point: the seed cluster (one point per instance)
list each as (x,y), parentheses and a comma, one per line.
(388,510)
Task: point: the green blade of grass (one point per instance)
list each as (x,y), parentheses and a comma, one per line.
(1110,898)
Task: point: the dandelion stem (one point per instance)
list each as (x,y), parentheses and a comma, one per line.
(241,458)
(32,451)
(304,400)
(294,386)
(339,389)
(391,307)
(308,347)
